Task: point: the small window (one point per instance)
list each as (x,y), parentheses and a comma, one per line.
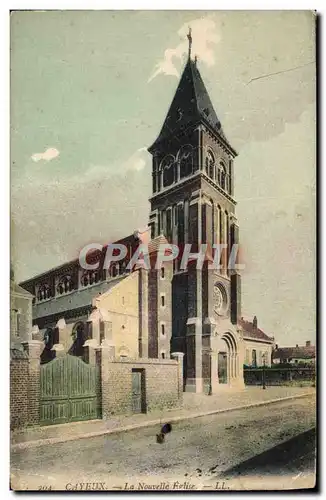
(162,272)
(123,301)
(18,313)
(162,300)
(254,358)
(247,357)
(163,355)
(163,329)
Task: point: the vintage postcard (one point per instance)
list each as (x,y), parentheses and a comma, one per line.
(163,288)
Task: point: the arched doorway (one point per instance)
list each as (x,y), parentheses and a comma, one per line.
(79,336)
(227,359)
(49,339)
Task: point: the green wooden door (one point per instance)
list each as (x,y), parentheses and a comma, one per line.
(136,391)
(69,391)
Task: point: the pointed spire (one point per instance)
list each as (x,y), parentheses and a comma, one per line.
(191,104)
(190,43)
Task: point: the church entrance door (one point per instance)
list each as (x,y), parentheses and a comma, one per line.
(222,368)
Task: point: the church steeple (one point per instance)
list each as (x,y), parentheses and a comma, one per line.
(190,43)
(191,105)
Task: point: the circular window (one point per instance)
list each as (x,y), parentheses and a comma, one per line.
(220,299)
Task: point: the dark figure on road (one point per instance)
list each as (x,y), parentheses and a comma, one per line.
(164,430)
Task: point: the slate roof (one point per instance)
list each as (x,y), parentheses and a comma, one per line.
(74,300)
(249,331)
(191,103)
(300,352)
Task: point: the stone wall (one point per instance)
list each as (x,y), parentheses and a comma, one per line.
(162,388)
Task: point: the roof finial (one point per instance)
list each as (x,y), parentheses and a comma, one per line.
(190,42)
(196,59)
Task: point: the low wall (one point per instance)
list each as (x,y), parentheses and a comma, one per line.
(162,387)
(279,376)
(162,384)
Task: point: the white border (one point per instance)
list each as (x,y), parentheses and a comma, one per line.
(5,6)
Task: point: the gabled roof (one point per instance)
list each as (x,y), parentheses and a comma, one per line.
(300,352)
(18,290)
(191,103)
(252,332)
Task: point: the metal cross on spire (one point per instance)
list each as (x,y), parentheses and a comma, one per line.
(190,43)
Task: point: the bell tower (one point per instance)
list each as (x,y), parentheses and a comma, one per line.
(193,203)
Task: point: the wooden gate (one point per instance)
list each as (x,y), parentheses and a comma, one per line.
(70,391)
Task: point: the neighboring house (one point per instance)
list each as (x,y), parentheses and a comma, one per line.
(20,314)
(257,344)
(295,355)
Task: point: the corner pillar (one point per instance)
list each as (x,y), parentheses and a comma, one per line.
(143,314)
(194,373)
(106,354)
(179,357)
(33,349)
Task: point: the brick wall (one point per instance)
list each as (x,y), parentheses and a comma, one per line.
(25,385)
(162,384)
(18,389)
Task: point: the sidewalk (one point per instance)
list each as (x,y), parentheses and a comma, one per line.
(194,406)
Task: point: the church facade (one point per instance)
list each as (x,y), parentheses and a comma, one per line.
(152,313)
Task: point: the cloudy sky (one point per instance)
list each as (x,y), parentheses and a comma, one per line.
(89,93)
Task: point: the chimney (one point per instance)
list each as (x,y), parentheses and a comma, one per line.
(308,343)
(297,345)
(255,322)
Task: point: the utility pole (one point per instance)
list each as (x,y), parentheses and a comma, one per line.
(264,380)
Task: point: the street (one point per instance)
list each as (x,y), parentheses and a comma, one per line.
(200,453)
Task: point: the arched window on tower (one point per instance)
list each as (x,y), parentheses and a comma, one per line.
(222,176)
(210,165)
(167,166)
(185,158)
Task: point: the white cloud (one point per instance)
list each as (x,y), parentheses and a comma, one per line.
(136,161)
(48,155)
(204,36)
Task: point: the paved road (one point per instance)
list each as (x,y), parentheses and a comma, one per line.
(294,458)
(201,453)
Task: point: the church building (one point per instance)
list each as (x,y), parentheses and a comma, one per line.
(153,313)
